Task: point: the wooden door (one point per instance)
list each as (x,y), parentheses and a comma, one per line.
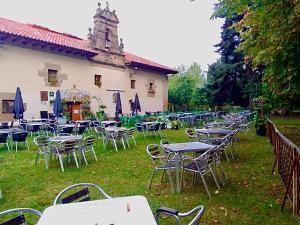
(75,115)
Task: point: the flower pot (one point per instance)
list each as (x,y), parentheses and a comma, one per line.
(261,130)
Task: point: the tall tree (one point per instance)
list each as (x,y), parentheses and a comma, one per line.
(271,38)
(231,80)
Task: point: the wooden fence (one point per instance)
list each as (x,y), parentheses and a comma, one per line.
(287,159)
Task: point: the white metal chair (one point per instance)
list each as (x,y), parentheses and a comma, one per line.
(117,136)
(42,142)
(64,149)
(20,219)
(82,193)
(160,163)
(197,211)
(130,135)
(87,145)
(201,165)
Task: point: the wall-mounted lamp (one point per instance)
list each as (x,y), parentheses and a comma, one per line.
(1,43)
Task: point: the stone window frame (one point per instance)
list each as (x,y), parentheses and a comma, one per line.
(44,73)
(151,88)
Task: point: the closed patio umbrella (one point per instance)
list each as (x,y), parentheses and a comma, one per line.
(18,109)
(58,107)
(136,104)
(118,104)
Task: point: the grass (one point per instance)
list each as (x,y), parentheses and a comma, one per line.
(251,195)
(289,126)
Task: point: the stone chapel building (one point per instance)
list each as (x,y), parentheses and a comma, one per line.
(88,72)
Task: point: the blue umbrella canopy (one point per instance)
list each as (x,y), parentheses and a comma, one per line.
(136,104)
(58,107)
(118,104)
(18,108)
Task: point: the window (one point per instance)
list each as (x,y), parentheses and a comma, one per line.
(52,77)
(132,84)
(151,87)
(7,106)
(44,96)
(98,80)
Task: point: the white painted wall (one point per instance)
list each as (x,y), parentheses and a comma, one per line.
(19,67)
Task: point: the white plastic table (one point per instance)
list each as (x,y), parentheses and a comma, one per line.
(133,210)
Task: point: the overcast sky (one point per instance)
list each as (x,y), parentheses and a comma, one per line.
(171,32)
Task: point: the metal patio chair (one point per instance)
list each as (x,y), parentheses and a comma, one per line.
(82,193)
(87,145)
(4,140)
(197,211)
(42,142)
(130,135)
(202,166)
(192,135)
(160,163)
(141,128)
(20,219)
(20,137)
(64,149)
(117,136)
(101,134)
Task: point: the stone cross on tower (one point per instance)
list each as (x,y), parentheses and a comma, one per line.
(104,37)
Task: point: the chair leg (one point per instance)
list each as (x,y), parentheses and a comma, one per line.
(75,158)
(226,155)
(205,185)
(215,179)
(115,144)
(162,176)
(220,175)
(223,170)
(27,145)
(171,181)
(93,150)
(37,158)
(84,158)
(7,146)
(128,143)
(16,146)
(134,140)
(151,179)
(61,163)
(123,143)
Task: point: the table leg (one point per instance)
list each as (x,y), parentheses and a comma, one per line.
(178,163)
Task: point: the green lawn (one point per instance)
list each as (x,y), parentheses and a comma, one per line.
(251,195)
(289,126)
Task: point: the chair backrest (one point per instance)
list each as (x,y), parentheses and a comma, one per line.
(67,130)
(190,132)
(81,195)
(41,141)
(33,127)
(139,127)
(130,132)
(80,129)
(119,134)
(19,219)
(154,151)
(88,141)
(19,136)
(118,124)
(3,138)
(165,141)
(63,134)
(67,146)
(100,130)
(203,161)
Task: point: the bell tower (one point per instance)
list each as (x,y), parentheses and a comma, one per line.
(104,37)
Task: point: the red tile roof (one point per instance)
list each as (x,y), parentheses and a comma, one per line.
(45,34)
